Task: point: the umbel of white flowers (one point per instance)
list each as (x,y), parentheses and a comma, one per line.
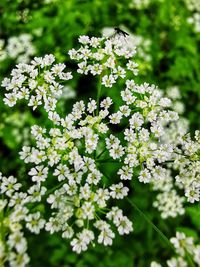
(72,150)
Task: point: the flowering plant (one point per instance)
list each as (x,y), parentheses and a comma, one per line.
(67,158)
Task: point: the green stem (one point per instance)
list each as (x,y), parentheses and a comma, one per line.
(54,188)
(190,261)
(101,153)
(108,160)
(103,172)
(163,236)
(152,224)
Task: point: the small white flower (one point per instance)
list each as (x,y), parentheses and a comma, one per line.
(62,171)
(108,81)
(106,237)
(118,191)
(132,66)
(145,176)
(182,243)
(34,222)
(9,185)
(115,117)
(124,226)
(125,173)
(39,173)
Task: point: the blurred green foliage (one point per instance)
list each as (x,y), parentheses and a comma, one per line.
(175,61)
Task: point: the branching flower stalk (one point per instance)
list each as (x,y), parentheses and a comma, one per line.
(82,197)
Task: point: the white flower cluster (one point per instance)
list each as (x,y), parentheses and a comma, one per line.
(187,162)
(185,249)
(18,47)
(70,153)
(175,131)
(168,202)
(82,197)
(194,6)
(175,95)
(13,212)
(139,4)
(132,40)
(37,82)
(195,21)
(147,128)
(102,56)
(149,114)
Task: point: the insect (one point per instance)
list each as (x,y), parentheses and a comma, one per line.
(120,32)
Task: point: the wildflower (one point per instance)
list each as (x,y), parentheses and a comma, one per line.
(34,222)
(169,204)
(42,85)
(39,174)
(182,243)
(101,48)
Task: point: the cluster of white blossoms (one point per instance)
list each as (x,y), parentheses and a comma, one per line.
(132,40)
(37,82)
(13,244)
(15,211)
(175,95)
(148,113)
(187,162)
(195,21)
(19,48)
(145,146)
(194,6)
(167,201)
(139,4)
(80,203)
(72,151)
(102,56)
(67,160)
(186,251)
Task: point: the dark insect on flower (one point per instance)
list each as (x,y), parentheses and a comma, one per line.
(120,32)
